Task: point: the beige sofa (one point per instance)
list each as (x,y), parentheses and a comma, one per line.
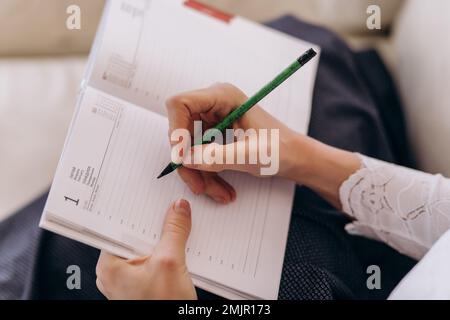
(41,64)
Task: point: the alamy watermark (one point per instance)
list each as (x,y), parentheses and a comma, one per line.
(233,147)
(374,280)
(374,20)
(73,281)
(73,21)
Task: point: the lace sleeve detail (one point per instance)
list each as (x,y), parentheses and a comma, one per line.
(407,209)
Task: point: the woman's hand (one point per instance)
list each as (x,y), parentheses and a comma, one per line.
(161,276)
(211,105)
(301,159)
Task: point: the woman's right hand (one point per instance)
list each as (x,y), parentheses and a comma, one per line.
(210,106)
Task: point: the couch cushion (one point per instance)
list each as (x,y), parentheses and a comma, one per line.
(344,16)
(39,27)
(37,99)
(422,48)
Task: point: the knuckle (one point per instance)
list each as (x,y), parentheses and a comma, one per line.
(224,86)
(217,84)
(167,261)
(229,86)
(231,90)
(175,101)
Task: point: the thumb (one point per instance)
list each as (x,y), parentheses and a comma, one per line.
(176,229)
(215,157)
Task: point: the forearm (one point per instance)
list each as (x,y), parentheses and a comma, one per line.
(322,168)
(407,209)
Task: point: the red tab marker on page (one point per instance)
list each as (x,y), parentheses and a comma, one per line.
(213,12)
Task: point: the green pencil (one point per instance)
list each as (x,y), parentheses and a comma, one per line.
(261,94)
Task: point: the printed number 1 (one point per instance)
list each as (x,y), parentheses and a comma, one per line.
(74,201)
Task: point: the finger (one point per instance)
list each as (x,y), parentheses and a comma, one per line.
(218,189)
(213,157)
(215,102)
(227,186)
(193,180)
(207,183)
(195,158)
(176,230)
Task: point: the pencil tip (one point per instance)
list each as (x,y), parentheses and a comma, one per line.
(166,171)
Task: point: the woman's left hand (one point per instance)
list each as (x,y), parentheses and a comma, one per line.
(161,276)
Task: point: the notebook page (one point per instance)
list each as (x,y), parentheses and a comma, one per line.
(106,183)
(152,49)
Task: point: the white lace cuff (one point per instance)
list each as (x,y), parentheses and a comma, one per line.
(407,209)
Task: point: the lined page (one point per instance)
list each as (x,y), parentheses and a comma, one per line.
(105,186)
(152,49)
(106,183)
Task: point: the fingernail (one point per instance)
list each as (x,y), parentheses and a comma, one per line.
(221,200)
(183,207)
(233,195)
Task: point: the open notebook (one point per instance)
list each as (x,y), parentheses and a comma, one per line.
(105,192)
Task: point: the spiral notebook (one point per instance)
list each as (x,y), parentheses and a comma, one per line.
(105,192)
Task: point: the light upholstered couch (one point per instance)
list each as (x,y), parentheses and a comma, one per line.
(41,64)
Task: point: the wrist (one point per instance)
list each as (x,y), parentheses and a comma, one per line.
(320,167)
(296,158)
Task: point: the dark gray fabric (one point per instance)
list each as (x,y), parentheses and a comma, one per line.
(322,261)
(350,111)
(19,241)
